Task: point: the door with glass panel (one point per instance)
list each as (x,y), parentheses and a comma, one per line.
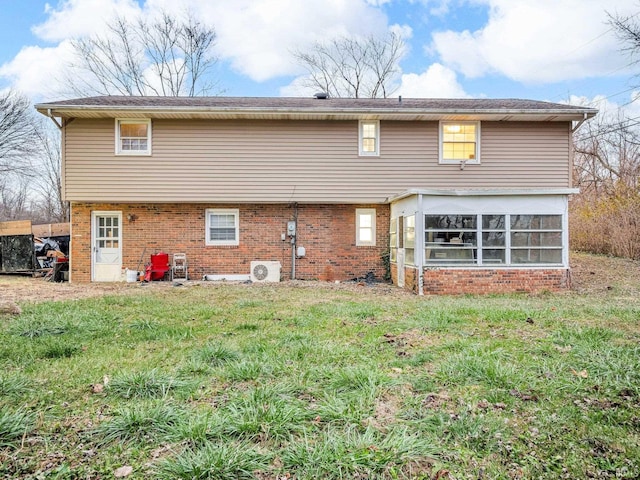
(106,251)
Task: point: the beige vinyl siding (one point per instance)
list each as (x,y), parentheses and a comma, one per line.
(302,161)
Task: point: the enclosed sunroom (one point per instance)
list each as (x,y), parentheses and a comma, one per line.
(480,241)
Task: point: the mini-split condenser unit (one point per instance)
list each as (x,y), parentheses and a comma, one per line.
(265,271)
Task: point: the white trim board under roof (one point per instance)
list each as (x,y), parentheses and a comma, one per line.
(301,108)
(485,192)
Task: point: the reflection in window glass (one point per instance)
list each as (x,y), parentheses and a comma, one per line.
(504,239)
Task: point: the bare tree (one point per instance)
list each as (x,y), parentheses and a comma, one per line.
(627,28)
(168,56)
(354,67)
(14,198)
(48,183)
(17,128)
(607,156)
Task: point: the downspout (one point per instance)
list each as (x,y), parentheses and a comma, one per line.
(294,242)
(584,119)
(53,119)
(420,242)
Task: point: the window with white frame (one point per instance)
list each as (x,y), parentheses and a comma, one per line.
(475,239)
(409,238)
(222,226)
(365,227)
(369,137)
(459,142)
(133,137)
(393,240)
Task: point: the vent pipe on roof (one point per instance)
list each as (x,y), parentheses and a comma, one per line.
(399,98)
(321,95)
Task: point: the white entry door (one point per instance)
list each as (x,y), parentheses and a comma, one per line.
(106,241)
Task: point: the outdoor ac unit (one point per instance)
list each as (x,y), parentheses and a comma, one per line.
(265,271)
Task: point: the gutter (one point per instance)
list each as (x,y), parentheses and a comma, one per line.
(481,193)
(497,114)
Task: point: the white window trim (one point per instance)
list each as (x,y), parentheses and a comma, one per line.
(362,153)
(508,263)
(120,121)
(441,158)
(359,241)
(222,211)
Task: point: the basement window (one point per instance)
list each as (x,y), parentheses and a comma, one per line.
(222,227)
(133,137)
(459,142)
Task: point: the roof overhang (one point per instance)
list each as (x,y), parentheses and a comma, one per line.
(239,113)
(494,192)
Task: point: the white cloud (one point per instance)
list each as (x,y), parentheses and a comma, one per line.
(534,41)
(608,110)
(79,18)
(435,82)
(257,36)
(36,71)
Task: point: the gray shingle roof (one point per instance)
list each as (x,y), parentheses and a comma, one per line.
(311,104)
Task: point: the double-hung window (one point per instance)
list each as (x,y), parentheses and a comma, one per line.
(459,142)
(133,137)
(222,226)
(369,137)
(365,227)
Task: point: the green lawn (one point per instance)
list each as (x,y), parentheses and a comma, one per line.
(270,382)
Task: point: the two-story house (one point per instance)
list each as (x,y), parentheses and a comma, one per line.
(461,196)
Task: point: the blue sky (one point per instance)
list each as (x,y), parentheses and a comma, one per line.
(555,50)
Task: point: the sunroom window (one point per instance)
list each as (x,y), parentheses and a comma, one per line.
(470,239)
(451,239)
(536,239)
(393,240)
(409,238)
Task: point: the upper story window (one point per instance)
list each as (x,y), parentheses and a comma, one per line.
(222,226)
(369,137)
(133,137)
(365,227)
(459,142)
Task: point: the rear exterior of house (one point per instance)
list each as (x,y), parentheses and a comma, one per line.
(445,196)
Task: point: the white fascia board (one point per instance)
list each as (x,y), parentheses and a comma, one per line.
(483,192)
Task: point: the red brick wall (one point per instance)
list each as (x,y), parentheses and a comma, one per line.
(481,281)
(326,231)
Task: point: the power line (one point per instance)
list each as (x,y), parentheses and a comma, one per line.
(614,127)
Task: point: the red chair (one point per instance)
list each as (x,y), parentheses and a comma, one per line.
(158,268)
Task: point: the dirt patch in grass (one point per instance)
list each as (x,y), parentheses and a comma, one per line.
(590,275)
(603,275)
